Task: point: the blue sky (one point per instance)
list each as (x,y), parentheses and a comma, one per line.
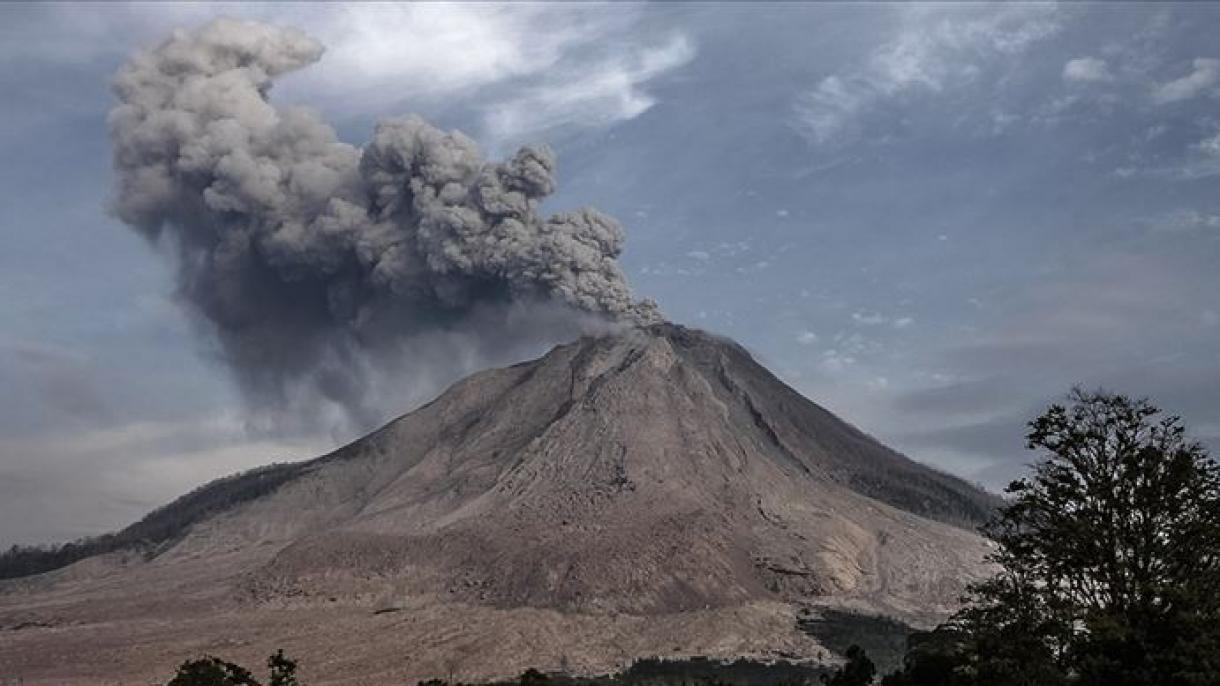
(931,219)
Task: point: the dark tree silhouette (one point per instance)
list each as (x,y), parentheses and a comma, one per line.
(858,671)
(532,677)
(1109,556)
(283,670)
(212,671)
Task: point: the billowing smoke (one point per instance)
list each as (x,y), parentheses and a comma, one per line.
(321,268)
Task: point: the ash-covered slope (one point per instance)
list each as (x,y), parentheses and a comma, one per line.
(790,427)
(653,492)
(826,444)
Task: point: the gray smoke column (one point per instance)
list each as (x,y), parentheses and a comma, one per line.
(318,265)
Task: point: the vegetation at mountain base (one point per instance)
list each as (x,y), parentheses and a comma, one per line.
(698,670)
(213,671)
(882,638)
(160,527)
(1110,562)
(858,671)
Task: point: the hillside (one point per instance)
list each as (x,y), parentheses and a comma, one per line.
(655,492)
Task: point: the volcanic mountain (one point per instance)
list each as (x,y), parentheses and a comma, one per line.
(652,492)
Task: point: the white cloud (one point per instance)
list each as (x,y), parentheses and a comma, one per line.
(824,112)
(383,51)
(1202,79)
(806,338)
(1155,131)
(1087,70)
(1210,146)
(701,255)
(588,95)
(733,249)
(527,66)
(869,318)
(937,48)
(877,319)
(403,50)
(835,362)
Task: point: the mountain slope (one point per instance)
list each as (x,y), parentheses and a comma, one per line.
(653,492)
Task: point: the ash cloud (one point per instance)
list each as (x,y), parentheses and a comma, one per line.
(321,269)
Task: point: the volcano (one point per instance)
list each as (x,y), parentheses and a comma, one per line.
(655,492)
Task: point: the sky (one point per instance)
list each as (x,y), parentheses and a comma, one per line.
(933,220)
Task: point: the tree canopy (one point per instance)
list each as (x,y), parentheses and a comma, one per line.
(1109,557)
(213,671)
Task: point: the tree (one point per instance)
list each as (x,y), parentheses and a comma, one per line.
(1124,515)
(212,671)
(934,658)
(1109,558)
(1116,538)
(532,677)
(283,670)
(858,671)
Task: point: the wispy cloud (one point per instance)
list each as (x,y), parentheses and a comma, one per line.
(1184,220)
(869,318)
(877,319)
(806,337)
(1199,160)
(597,94)
(1203,79)
(1087,70)
(935,50)
(528,67)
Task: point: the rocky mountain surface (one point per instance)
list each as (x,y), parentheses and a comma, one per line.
(653,492)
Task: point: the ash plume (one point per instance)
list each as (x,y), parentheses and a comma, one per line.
(321,268)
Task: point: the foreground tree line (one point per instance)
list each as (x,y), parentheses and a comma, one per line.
(1109,569)
(213,671)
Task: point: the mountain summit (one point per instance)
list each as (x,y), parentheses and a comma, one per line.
(653,492)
